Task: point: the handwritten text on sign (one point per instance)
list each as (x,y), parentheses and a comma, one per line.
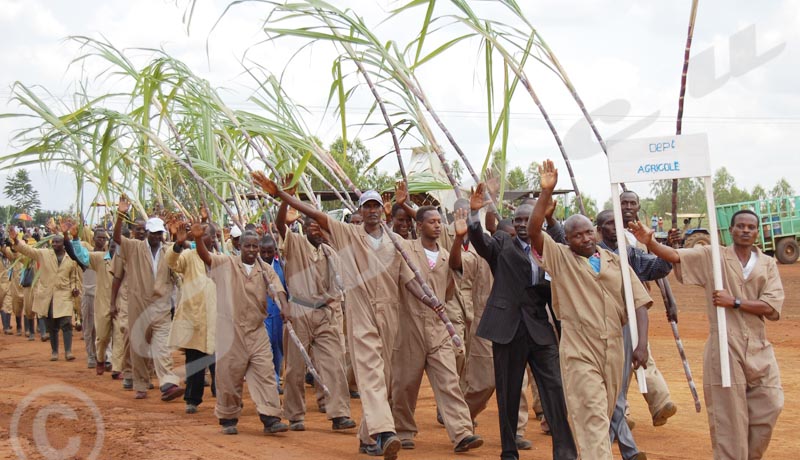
(658,158)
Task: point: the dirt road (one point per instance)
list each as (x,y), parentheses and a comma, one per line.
(66,406)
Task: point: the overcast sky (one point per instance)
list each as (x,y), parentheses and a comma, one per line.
(624,57)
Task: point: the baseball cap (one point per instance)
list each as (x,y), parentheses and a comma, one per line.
(154,225)
(370,195)
(236,232)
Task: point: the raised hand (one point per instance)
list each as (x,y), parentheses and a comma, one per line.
(198,231)
(400,192)
(265,183)
(288,180)
(124,204)
(181,231)
(460,223)
(203,214)
(548,175)
(642,233)
(476,200)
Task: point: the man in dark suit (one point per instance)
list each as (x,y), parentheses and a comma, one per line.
(515,321)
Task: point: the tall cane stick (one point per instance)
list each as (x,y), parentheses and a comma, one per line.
(669,301)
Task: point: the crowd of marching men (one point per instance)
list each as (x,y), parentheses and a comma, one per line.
(368,306)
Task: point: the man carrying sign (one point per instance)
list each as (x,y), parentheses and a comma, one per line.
(587,297)
(742,417)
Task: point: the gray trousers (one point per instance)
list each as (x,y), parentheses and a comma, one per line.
(619,427)
(87,319)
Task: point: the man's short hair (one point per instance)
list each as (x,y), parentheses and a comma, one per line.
(267,239)
(632,193)
(397,207)
(603,217)
(424,210)
(744,211)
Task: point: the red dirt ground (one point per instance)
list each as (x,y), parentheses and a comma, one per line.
(122,427)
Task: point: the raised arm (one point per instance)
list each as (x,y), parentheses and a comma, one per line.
(272,189)
(460,226)
(645,235)
(549,179)
(401,198)
(198,232)
(122,208)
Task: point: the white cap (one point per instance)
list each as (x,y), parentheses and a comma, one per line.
(154,225)
(370,195)
(236,232)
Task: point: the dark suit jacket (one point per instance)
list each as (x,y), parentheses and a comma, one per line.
(513,298)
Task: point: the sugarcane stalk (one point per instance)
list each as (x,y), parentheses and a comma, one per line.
(669,301)
(679,121)
(292,334)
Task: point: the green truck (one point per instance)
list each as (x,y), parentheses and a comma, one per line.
(779,229)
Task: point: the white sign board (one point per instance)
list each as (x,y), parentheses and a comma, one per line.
(659,158)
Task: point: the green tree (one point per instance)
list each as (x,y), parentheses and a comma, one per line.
(515,179)
(532,175)
(758,193)
(691,196)
(589,204)
(782,188)
(725,188)
(20,191)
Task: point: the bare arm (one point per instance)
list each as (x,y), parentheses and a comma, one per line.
(202,251)
(280,220)
(460,227)
(123,207)
(549,179)
(639,357)
(271,188)
(645,235)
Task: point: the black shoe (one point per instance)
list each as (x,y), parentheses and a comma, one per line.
(470,442)
(439,417)
(368,449)
(343,423)
(408,444)
(309,379)
(273,424)
(229,425)
(355,395)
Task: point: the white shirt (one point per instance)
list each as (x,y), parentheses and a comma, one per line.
(156,259)
(248,268)
(751,264)
(432,256)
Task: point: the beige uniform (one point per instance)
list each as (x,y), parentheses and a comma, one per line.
(55,281)
(314,300)
(149,304)
(13,300)
(103,324)
(372,271)
(194,321)
(742,417)
(592,312)
(241,343)
(458,309)
(121,348)
(657,395)
(426,346)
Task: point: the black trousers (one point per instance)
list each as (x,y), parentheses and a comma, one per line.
(196,363)
(510,361)
(63,324)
